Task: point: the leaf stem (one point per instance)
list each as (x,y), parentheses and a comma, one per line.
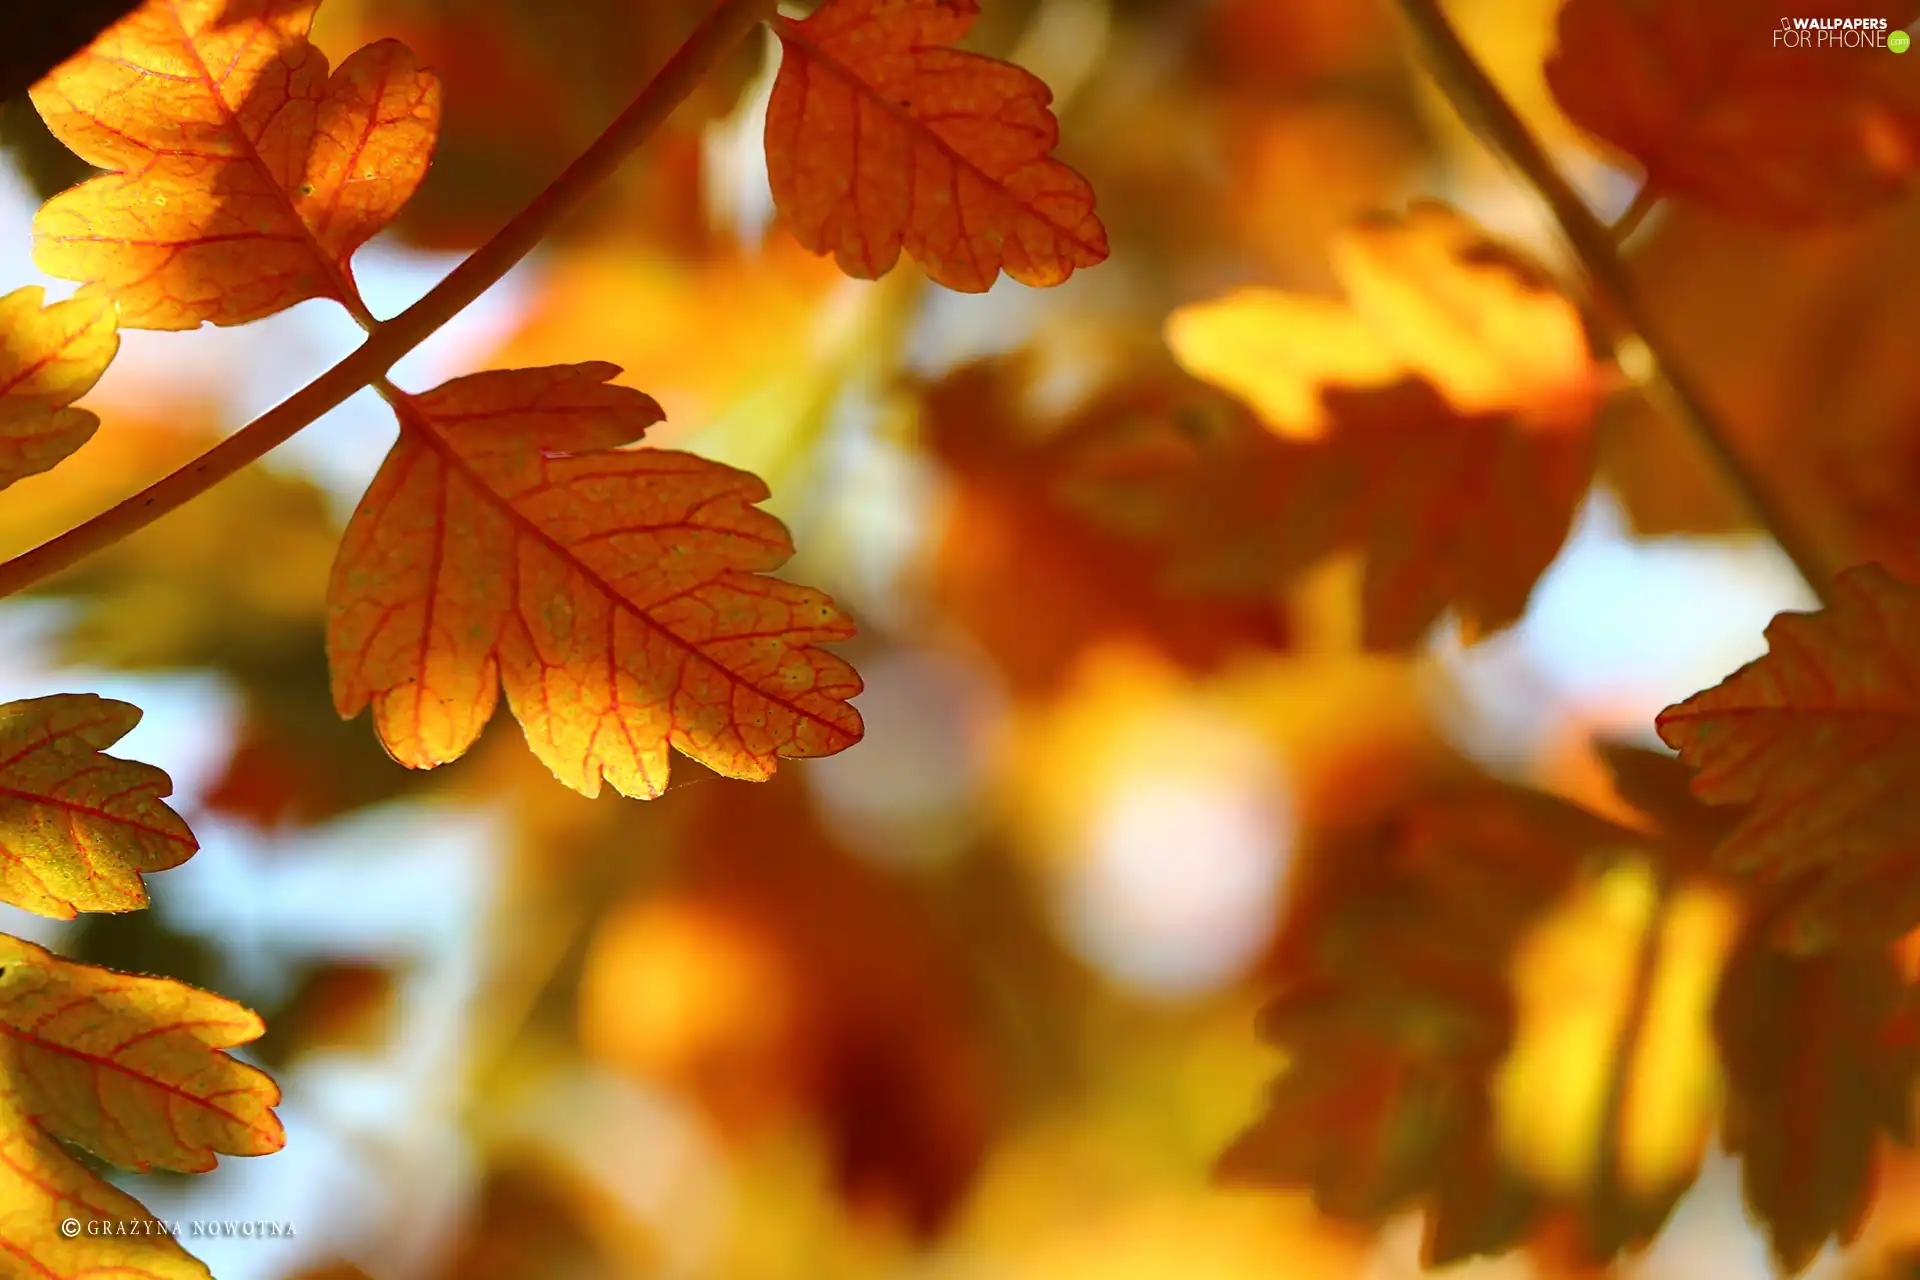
(1629,221)
(724,26)
(1488,113)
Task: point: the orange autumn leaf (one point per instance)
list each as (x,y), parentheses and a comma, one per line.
(1460,1002)
(1399,1008)
(619,595)
(1450,511)
(241,176)
(1450,406)
(1816,1085)
(132,1068)
(881,137)
(49,357)
(1821,736)
(1717,103)
(1066,533)
(77,827)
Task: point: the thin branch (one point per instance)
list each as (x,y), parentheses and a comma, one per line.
(1488,113)
(1629,221)
(719,32)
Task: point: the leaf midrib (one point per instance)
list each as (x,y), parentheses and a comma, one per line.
(452,458)
(794,33)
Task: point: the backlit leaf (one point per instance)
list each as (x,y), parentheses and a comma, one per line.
(1716,102)
(49,357)
(1428,295)
(619,595)
(41,1185)
(129,1067)
(241,176)
(880,137)
(1822,737)
(1611,1093)
(77,827)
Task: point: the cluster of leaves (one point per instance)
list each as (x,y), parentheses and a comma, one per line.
(1437,424)
(621,596)
(1444,427)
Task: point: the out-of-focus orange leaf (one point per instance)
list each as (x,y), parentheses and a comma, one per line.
(692,993)
(621,596)
(77,827)
(1354,154)
(1717,104)
(1799,341)
(1266,46)
(782,978)
(129,1067)
(48,359)
(1822,737)
(1398,1011)
(537,1218)
(1659,788)
(337,1004)
(1450,511)
(528,84)
(241,177)
(1448,409)
(1497,1006)
(1194,1235)
(881,137)
(1069,531)
(1816,1085)
(699,336)
(1429,295)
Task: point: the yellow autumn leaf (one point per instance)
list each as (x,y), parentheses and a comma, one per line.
(78,828)
(113,1235)
(50,356)
(130,1067)
(1612,1087)
(1429,295)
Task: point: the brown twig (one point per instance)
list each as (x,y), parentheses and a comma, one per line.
(1629,221)
(719,32)
(1487,112)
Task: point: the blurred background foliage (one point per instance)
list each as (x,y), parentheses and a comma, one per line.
(978,998)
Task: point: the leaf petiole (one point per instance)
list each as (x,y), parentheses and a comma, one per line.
(724,27)
(1623,227)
